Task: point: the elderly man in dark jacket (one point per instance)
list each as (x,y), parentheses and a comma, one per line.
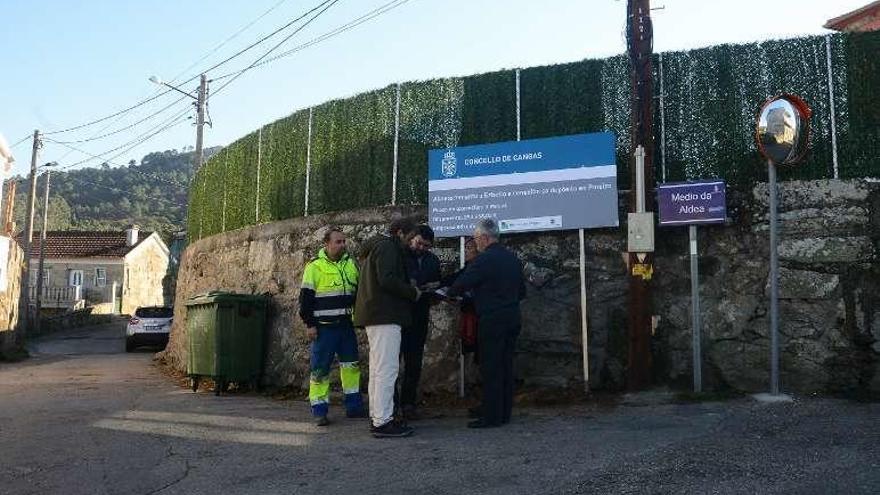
(495,277)
(383,306)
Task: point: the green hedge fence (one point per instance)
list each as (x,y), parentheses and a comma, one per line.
(345,152)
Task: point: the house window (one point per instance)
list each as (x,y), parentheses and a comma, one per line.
(76,278)
(100,277)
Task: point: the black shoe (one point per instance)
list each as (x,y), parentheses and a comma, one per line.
(481,423)
(322,421)
(391,430)
(356,414)
(475,412)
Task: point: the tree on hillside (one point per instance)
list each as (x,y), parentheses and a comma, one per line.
(152,194)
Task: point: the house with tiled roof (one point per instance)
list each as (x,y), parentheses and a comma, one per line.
(111,271)
(863,19)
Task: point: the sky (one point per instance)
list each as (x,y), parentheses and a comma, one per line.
(69,62)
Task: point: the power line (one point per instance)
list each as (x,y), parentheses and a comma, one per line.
(165,125)
(102,119)
(122,129)
(264,38)
(230,38)
(205,56)
(330,34)
(159,95)
(329,3)
(29,136)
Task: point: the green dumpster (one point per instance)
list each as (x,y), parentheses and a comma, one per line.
(226,338)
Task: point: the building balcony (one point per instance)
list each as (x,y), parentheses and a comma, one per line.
(70,298)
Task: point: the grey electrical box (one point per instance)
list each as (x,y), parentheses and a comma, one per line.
(641,232)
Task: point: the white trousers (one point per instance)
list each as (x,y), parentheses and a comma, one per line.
(384,366)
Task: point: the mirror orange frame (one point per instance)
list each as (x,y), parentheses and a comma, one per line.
(804,137)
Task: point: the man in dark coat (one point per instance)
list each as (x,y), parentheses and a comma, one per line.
(423,269)
(495,277)
(383,306)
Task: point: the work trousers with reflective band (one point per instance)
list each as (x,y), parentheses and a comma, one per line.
(384,366)
(335,340)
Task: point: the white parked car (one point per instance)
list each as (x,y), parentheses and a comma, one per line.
(149,326)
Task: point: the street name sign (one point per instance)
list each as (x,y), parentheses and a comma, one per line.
(558,183)
(692,203)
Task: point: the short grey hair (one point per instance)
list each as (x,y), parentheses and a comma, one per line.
(488,227)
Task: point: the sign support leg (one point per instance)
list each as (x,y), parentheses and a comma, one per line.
(584,334)
(695,298)
(460,344)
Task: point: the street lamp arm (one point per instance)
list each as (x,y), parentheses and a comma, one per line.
(163,83)
(156,80)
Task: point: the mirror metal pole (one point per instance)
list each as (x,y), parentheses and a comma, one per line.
(774,284)
(695,298)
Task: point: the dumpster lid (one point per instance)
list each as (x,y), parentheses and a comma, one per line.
(215,296)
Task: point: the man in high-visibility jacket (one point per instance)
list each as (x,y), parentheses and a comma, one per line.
(327,298)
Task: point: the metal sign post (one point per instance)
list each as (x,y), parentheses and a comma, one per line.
(460,343)
(695,311)
(691,204)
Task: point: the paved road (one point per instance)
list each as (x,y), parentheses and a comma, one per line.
(83,417)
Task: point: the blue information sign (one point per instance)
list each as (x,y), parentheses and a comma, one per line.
(558,183)
(692,203)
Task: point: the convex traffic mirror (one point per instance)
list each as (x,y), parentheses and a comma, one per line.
(783,129)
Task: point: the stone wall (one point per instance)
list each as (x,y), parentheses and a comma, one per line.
(10,299)
(830,308)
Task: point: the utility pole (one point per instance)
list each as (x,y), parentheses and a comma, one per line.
(639,34)
(200,122)
(39,294)
(29,231)
(201,103)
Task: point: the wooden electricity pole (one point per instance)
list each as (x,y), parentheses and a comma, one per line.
(29,235)
(639,33)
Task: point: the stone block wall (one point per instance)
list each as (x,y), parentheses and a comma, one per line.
(830,289)
(10,308)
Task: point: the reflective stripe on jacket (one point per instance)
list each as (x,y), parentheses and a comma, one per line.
(328,290)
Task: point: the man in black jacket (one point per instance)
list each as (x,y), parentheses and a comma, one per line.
(423,268)
(383,306)
(496,280)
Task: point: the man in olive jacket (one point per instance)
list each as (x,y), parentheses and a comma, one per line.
(383,306)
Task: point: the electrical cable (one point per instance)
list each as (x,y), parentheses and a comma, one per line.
(227,40)
(102,119)
(165,125)
(329,3)
(122,129)
(263,39)
(29,136)
(330,34)
(159,95)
